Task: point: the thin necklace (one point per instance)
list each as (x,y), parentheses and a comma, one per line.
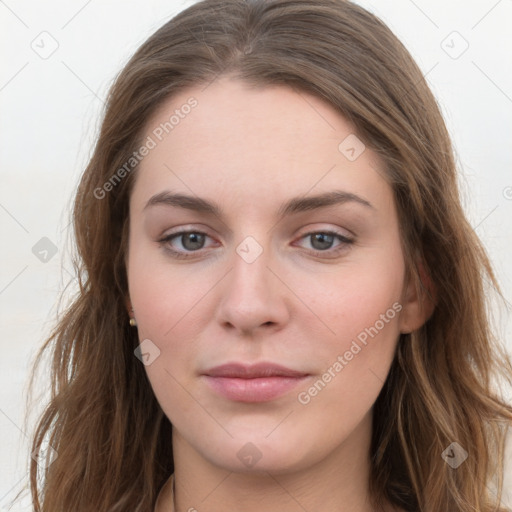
(173,495)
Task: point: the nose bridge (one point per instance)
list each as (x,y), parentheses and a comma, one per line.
(250,276)
(251,296)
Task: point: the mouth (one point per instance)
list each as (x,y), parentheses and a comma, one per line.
(261,382)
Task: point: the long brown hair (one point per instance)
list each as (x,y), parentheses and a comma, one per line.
(112,439)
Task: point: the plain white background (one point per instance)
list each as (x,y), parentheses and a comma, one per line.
(59,60)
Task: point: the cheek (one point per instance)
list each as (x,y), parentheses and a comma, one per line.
(354,298)
(164,298)
(165,303)
(355,362)
(361,305)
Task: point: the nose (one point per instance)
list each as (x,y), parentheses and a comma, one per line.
(253,296)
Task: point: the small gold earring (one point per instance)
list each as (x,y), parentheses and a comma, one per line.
(133,322)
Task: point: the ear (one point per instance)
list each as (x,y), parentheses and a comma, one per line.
(128,304)
(418,301)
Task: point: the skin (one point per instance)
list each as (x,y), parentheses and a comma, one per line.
(250,150)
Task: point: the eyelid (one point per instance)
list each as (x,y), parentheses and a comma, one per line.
(332,252)
(181,230)
(343,232)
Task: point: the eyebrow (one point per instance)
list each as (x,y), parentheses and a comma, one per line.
(293,206)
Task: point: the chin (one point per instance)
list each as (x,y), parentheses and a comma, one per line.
(258,454)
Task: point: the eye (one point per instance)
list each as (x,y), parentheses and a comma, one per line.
(322,242)
(190,241)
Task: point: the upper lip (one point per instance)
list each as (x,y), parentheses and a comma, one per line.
(246,371)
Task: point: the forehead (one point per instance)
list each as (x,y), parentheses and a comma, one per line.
(245,143)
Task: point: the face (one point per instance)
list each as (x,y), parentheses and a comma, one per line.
(286,251)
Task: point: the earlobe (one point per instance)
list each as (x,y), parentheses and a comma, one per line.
(419,302)
(128,303)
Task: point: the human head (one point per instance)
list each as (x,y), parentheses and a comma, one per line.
(343,55)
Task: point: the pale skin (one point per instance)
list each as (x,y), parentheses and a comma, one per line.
(300,303)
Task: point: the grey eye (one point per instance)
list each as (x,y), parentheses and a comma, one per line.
(192,241)
(321,241)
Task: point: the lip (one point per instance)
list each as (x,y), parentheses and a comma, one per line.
(260,382)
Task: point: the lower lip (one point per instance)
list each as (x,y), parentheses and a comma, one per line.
(261,389)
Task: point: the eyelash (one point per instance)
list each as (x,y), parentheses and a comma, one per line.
(332,252)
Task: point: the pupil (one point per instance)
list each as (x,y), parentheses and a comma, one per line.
(321,237)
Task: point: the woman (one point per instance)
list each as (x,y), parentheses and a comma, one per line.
(282,304)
